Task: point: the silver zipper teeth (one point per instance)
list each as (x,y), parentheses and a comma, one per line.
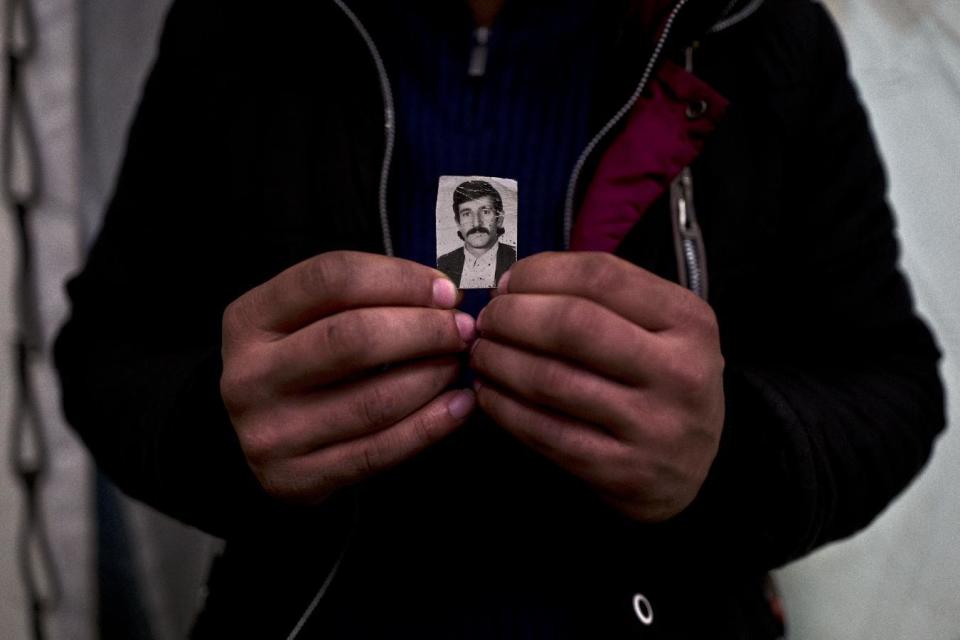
(694,276)
(738,17)
(581,161)
(687,225)
(728,9)
(388,123)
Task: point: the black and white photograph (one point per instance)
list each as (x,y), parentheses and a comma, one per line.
(476,229)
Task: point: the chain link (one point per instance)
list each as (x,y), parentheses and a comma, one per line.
(20,173)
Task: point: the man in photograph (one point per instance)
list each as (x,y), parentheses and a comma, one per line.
(478,210)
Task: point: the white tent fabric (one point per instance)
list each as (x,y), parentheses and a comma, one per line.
(83,85)
(901,577)
(897,580)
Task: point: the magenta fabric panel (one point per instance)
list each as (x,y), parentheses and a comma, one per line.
(665,132)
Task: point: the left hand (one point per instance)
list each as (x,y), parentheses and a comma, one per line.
(608,370)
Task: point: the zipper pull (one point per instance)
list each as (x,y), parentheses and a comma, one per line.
(688,240)
(478,56)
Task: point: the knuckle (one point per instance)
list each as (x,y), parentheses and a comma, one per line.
(479,359)
(343,339)
(603,272)
(641,410)
(683,309)
(503,309)
(487,401)
(271,481)
(695,314)
(693,370)
(259,443)
(230,321)
(575,320)
(241,383)
(532,267)
(703,319)
(239,317)
(423,431)
(440,326)
(569,444)
(690,375)
(368,462)
(376,455)
(373,408)
(699,377)
(231,380)
(325,273)
(553,382)
(495,405)
(494,311)
(709,323)
(231,390)
(414,281)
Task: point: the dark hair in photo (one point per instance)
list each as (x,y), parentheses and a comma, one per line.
(473,190)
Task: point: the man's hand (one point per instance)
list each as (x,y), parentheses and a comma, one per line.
(610,371)
(335,369)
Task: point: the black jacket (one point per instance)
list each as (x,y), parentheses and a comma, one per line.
(259,143)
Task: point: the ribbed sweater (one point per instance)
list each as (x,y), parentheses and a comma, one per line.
(525,118)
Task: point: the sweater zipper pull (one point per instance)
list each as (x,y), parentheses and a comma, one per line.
(478,56)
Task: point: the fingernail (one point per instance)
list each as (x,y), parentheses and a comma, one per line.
(502,285)
(466,325)
(444,293)
(480,319)
(461,404)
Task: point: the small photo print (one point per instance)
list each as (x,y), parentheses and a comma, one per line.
(476,229)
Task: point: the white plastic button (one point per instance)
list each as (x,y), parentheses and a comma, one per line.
(643,609)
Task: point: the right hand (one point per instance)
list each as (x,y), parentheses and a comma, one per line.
(336,369)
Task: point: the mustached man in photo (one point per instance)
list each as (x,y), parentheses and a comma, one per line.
(478,210)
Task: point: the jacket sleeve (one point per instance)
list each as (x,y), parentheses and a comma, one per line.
(139,358)
(833,395)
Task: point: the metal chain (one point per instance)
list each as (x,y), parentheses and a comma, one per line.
(21,187)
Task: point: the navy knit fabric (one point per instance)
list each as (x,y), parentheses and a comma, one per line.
(525,118)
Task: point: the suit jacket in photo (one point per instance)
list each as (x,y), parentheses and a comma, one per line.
(452,263)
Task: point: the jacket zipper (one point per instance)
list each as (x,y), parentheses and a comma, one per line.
(478,55)
(389,123)
(617,117)
(730,19)
(688,240)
